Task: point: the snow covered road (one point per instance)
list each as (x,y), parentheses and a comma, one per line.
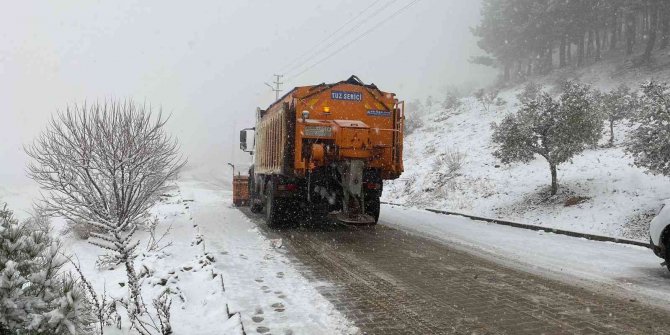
(632,271)
(390,281)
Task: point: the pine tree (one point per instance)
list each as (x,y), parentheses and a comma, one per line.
(521,37)
(555,129)
(35,297)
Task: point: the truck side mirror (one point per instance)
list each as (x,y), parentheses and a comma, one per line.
(243,140)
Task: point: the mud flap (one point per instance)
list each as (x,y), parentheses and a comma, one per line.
(357,219)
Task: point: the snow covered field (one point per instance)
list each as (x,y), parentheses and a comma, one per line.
(184,266)
(612,197)
(216,264)
(631,271)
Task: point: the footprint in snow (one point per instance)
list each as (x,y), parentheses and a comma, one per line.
(257,319)
(259,280)
(279,307)
(280,275)
(262,330)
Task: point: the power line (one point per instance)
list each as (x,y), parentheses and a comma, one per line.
(302,57)
(373,28)
(351,30)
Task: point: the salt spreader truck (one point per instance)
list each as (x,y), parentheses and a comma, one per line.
(325,149)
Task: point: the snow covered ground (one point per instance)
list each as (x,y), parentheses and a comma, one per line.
(634,272)
(614,198)
(261,283)
(19,197)
(224,275)
(184,266)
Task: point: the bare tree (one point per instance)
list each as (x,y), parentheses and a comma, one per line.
(105,165)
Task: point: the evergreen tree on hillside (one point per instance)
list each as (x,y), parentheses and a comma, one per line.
(524,37)
(555,129)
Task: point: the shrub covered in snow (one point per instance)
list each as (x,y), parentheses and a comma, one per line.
(649,142)
(453,160)
(80,229)
(452,100)
(530,92)
(412,123)
(35,297)
(556,129)
(488,98)
(413,113)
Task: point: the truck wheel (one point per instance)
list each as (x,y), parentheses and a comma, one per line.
(316,214)
(255,208)
(372,207)
(273,209)
(254,203)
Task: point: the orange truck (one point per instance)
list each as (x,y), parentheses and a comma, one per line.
(325,149)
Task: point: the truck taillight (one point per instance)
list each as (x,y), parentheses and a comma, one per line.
(373,186)
(287,187)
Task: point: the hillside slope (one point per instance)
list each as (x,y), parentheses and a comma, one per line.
(600,191)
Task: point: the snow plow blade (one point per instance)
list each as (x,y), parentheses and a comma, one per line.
(359,219)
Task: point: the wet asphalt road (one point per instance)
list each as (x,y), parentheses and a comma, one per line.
(391,282)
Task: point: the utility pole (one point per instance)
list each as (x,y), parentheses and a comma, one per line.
(277,85)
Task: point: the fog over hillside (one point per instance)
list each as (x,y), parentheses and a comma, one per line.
(206,63)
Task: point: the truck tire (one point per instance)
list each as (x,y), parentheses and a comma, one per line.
(255,204)
(316,214)
(273,207)
(372,207)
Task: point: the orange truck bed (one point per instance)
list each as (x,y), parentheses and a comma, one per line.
(300,132)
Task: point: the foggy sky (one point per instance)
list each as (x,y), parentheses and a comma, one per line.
(205,62)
